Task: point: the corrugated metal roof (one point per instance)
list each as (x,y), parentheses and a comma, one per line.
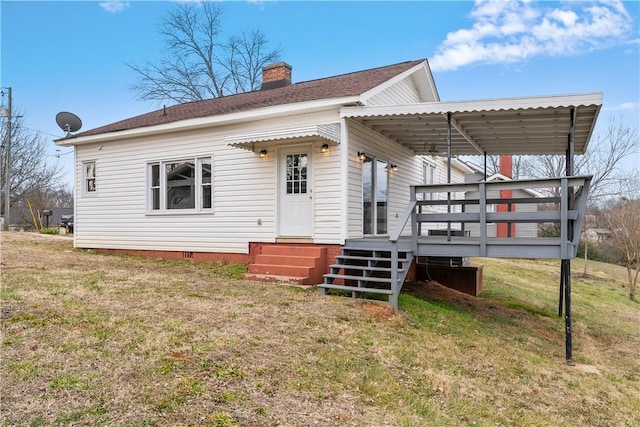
(329,133)
(525,125)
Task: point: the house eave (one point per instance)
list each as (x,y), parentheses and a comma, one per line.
(216,120)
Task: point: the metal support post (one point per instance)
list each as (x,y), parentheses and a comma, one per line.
(485,166)
(569,235)
(448,173)
(7,170)
(567,312)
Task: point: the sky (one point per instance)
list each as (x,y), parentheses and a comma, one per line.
(74,55)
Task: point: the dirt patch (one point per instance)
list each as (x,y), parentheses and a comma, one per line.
(379,311)
(588,369)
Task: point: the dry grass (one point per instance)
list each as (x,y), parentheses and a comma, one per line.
(89,339)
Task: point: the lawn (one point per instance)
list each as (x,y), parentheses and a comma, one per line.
(91,339)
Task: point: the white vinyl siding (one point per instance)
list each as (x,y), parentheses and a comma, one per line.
(402,92)
(409,173)
(326,194)
(245,193)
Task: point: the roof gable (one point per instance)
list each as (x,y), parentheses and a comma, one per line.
(345,85)
(414,85)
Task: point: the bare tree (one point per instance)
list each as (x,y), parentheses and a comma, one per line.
(31,175)
(198,64)
(493,166)
(623,220)
(602,160)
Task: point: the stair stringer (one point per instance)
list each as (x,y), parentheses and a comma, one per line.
(367,270)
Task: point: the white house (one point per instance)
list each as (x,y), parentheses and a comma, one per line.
(292,170)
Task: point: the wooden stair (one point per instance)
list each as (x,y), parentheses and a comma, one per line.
(361,271)
(302,265)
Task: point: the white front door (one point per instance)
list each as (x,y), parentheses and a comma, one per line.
(296,203)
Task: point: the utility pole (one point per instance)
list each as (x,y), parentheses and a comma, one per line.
(7,180)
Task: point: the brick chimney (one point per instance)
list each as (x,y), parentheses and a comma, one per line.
(504,229)
(276,75)
(506,165)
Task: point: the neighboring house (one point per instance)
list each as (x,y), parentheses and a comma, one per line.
(597,235)
(303,166)
(521,229)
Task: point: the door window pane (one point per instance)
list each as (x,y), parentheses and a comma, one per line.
(367,196)
(382,188)
(296,173)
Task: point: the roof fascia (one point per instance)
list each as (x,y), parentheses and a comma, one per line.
(500,177)
(215,120)
(423,66)
(461,166)
(432,81)
(593,124)
(496,104)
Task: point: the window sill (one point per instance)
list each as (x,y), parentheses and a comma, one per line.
(178,212)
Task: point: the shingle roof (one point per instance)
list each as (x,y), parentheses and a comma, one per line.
(350,84)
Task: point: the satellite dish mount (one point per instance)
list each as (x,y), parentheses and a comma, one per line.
(68,122)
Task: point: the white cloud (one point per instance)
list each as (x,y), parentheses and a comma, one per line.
(626,106)
(114,6)
(512,31)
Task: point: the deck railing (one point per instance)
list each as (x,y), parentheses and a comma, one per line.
(449,208)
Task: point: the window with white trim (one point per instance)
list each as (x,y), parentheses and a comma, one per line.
(89,177)
(180,185)
(428,177)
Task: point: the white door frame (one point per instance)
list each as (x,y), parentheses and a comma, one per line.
(283,211)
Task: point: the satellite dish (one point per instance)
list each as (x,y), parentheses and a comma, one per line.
(68,122)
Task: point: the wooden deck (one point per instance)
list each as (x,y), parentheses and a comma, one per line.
(445,207)
(493,247)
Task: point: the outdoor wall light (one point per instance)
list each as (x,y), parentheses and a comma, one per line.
(361,155)
(391,167)
(263,154)
(324,148)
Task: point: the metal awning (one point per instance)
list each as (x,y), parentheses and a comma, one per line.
(527,125)
(328,133)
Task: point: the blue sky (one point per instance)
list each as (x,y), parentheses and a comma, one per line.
(73,55)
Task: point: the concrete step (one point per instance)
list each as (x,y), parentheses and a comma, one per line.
(302,264)
(303,261)
(290,250)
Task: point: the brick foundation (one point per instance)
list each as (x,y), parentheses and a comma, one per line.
(254,249)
